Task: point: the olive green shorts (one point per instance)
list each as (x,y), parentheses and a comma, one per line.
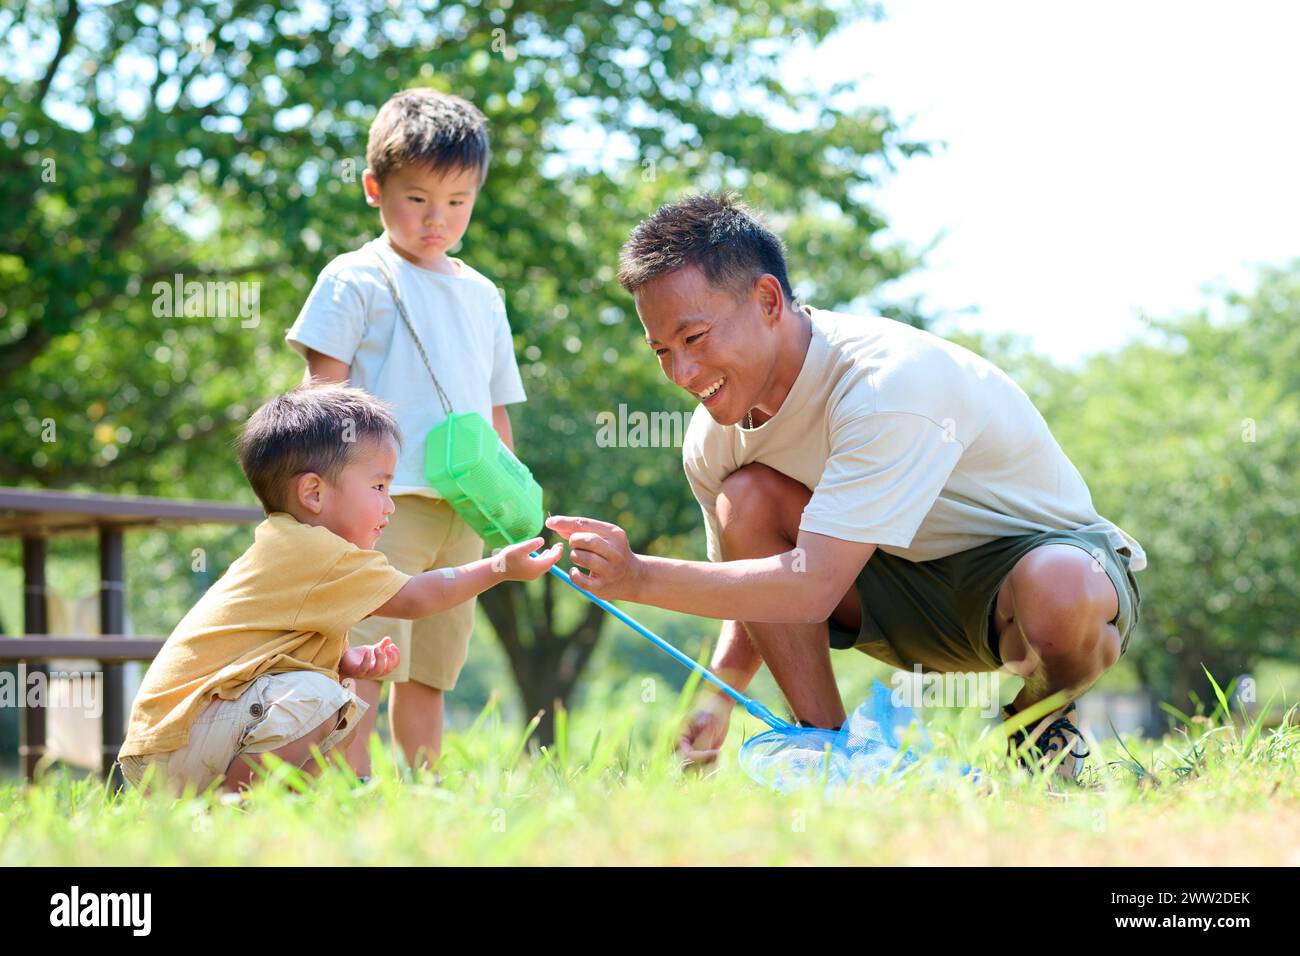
(937,613)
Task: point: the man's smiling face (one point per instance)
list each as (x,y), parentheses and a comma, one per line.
(709,340)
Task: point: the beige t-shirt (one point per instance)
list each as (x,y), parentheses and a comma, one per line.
(285,604)
(908,442)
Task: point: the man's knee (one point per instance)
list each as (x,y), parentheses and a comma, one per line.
(1065,603)
(757,499)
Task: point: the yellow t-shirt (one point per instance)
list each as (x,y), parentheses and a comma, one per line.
(285,604)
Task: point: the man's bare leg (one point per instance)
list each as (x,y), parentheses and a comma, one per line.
(759,511)
(1053,617)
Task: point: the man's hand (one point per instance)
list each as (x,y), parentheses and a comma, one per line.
(705,730)
(518,564)
(601,548)
(370,661)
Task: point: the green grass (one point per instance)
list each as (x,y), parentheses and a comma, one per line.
(1218,792)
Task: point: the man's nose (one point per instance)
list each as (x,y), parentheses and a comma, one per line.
(683,372)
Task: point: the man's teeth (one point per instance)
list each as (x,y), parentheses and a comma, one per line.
(712,388)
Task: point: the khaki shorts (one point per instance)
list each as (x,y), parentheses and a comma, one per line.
(937,613)
(423,534)
(275,710)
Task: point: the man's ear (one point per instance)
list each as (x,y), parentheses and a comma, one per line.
(771,298)
(371,185)
(308,490)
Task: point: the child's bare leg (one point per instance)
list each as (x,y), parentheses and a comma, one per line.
(357,745)
(240,773)
(415,715)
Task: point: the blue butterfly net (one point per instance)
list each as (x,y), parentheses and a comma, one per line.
(881,739)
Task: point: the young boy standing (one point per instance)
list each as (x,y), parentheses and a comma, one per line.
(426,159)
(260,664)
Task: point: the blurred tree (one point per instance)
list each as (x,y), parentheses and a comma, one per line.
(225,140)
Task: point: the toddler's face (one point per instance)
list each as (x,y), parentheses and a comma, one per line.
(425,211)
(357,505)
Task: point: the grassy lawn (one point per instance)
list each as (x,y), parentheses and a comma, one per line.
(610,792)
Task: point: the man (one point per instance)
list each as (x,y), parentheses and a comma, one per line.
(864,484)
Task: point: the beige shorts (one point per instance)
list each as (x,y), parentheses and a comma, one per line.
(275,710)
(423,534)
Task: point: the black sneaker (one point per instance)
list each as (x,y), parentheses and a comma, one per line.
(1049,737)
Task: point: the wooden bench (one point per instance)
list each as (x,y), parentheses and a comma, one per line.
(35,515)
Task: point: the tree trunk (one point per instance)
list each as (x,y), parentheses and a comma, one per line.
(546,664)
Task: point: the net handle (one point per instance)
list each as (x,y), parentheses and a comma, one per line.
(753,707)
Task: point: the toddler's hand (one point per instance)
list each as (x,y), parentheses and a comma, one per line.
(370,661)
(517,563)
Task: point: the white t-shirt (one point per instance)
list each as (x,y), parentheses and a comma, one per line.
(461,320)
(909,442)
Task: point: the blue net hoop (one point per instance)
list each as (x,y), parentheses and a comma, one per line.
(881,739)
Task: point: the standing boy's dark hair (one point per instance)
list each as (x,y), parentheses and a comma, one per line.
(423,127)
(714,232)
(317,428)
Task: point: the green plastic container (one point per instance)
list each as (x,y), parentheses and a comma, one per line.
(485,484)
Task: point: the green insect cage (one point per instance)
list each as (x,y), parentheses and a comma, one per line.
(485,484)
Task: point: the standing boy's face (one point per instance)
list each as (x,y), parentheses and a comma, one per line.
(425,211)
(356,505)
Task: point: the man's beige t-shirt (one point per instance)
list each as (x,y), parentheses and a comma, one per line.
(285,604)
(908,442)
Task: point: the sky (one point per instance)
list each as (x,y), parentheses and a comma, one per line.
(1101,159)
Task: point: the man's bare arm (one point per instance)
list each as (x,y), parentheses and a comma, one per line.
(736,660)
(801,586)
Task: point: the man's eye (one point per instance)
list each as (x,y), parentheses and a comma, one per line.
(661,352)
(692,338)
(415,198)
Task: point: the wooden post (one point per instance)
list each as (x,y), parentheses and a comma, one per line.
(112,620)
(31,720)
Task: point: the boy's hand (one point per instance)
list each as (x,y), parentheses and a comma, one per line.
(516,562)
(370,661)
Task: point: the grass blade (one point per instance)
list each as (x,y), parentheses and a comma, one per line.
(1249,743)
(1218,692)
(518,750)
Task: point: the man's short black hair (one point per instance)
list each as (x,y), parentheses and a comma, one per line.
(423,127)
(314,428)
(714,232)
